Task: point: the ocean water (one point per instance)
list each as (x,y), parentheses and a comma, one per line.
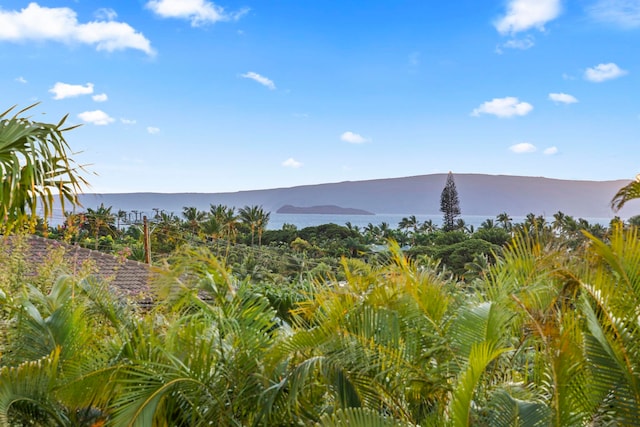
(277,220)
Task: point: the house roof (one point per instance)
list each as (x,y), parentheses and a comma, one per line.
(128,278)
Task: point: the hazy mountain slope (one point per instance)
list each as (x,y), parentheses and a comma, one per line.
(479,195)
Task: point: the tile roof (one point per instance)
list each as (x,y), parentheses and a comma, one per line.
(128,278)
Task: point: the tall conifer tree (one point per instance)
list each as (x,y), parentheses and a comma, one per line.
(449,204)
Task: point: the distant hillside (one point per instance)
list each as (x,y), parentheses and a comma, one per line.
(486,195)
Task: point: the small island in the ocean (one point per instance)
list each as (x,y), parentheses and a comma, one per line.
(324,210)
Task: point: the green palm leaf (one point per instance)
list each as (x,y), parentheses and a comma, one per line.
(628,192)
(359,417)
(479,358)
(508,411)
(26,392)
(35,167)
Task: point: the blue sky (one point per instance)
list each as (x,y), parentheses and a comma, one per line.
(200,96)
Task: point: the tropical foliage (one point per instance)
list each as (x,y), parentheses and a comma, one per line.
(628,192)
(35,166)
(539,329)
(544,336)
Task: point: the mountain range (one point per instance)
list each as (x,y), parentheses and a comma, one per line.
(479,194)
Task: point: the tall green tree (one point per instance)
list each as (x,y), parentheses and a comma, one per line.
(449,204)
(35,167)
(256,218)
(505,221)
(193,218)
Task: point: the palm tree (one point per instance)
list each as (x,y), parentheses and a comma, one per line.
(558,220)
(229,222)
(248,215)
(256,219)
(534,224)
(121,217)
(505,221)
(263,221)
(211,227)
(166,234)
(487,224)
(612,296)
(193,217)
(195,362)
(385,230)
(428,226)
(409,223)
(53,371)
(461,224)
(35,167)
(565,224)
(363,349)
(628,192)
(351,227)
(100,222)
(371,233)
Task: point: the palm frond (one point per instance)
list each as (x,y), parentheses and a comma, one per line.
(461,404)
(508,411)
(35,167)
(625,194)
(26,392)
(359,417)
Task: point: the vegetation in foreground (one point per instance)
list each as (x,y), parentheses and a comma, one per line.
(546,334)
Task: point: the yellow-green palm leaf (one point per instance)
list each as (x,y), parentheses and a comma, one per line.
(628,192)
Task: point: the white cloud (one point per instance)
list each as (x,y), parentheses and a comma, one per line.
(101,97)
(153,130)
(504,107)
(260,79)
(602,72)
(292,163)
(523,15)
(521,44)
(128,121)
(61,24)
(199,12)
(550,151)
(563,98)
(64,90)
(21,79)
(97,117)
(105,14)
(353,138)
(523,147)
(625,13)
